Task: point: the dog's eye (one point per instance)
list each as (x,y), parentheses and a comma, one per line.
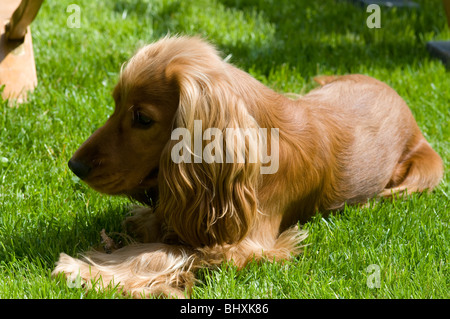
(142,120)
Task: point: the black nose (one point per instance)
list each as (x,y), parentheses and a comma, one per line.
(79,168)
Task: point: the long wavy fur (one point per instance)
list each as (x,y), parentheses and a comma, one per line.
(350,140)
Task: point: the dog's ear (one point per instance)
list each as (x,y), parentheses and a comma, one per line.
(208,184)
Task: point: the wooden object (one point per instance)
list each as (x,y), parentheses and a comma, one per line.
(17,66)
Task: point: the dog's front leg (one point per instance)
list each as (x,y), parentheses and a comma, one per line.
(144,225)
(141,270)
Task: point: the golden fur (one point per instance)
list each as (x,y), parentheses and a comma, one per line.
(347,141)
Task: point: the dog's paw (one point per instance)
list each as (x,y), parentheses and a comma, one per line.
(133,275)
(66,265)
(71,268)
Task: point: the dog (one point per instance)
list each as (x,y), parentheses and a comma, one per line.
(350,140)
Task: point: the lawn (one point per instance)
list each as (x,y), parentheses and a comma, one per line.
(45,210)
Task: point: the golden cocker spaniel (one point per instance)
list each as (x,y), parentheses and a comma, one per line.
(231,166)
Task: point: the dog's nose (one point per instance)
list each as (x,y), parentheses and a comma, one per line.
(79,168)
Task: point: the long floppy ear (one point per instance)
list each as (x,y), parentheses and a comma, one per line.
(210,169)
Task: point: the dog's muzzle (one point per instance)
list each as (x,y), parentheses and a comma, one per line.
(79,168)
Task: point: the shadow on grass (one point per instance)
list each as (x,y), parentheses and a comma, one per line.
(46,240)
(309,35)
(336,36)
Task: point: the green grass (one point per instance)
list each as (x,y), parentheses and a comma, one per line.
(44,210)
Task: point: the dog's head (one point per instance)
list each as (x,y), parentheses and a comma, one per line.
(167,85)
(122,157)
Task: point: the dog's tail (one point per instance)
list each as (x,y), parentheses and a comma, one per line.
(325,79)
(420,169)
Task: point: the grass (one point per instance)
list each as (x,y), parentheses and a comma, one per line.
(44,210)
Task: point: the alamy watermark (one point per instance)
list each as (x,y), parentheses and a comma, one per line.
(76,282)
(74,19)
(374,19)
(374,278)
(229,148)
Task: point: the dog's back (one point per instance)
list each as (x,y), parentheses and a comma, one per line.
(384,150)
